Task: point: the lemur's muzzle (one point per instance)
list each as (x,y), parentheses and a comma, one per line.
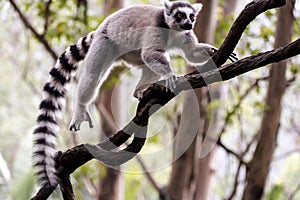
(187,26)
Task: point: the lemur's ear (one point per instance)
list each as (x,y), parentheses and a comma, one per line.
(168,6)
(197,7)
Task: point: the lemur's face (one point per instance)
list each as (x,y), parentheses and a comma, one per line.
(180,16)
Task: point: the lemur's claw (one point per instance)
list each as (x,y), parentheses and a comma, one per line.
(233,56)
(78,119)
(74,126)
(171,83)
(90,121)
(214,49)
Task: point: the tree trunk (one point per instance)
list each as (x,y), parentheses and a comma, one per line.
(229,6)
(260,164)
(110,186)
(207,21)
(187,166)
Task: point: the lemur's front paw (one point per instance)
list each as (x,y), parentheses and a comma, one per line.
(210,49)
(78,118)
(171,83)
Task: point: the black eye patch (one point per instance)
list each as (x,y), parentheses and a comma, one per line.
(192,17)
(179,16)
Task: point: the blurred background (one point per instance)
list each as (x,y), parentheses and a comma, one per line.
(244,134)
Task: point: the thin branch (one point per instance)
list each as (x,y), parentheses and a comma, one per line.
(238,104)
(47,16)
(254,138)
(239,157)
(236,182)
(290,81)
(149,176)
(252,10)
(38,36)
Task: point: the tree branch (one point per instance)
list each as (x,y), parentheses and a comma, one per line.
(251,11)
(47,16)
(236,182)
(237,106)
(156,94)
(38,36)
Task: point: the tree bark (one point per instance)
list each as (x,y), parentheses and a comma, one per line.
(260,164)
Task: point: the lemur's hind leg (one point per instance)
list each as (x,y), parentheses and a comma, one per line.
(99,59)
(148,77)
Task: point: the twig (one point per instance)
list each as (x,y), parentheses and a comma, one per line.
(239,157)
(238,105)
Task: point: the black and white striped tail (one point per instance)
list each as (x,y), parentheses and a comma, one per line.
(50,109)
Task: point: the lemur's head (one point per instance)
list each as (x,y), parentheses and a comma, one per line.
(181,15)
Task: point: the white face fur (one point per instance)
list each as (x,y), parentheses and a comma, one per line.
(181,15)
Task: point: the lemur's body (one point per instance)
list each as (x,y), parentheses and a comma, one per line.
(139,35)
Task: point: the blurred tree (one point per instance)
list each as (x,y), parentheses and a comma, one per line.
(203,167)
(109,106)
(260,164)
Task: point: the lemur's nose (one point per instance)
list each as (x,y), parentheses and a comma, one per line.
(188,26)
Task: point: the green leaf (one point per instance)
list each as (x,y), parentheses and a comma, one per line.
(294,68)
(276,193)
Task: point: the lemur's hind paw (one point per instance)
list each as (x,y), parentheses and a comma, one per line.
(78,118)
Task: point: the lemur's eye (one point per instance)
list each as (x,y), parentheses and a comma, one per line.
(179,16)
(192,17)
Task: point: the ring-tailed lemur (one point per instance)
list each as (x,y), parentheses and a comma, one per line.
(139,35)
